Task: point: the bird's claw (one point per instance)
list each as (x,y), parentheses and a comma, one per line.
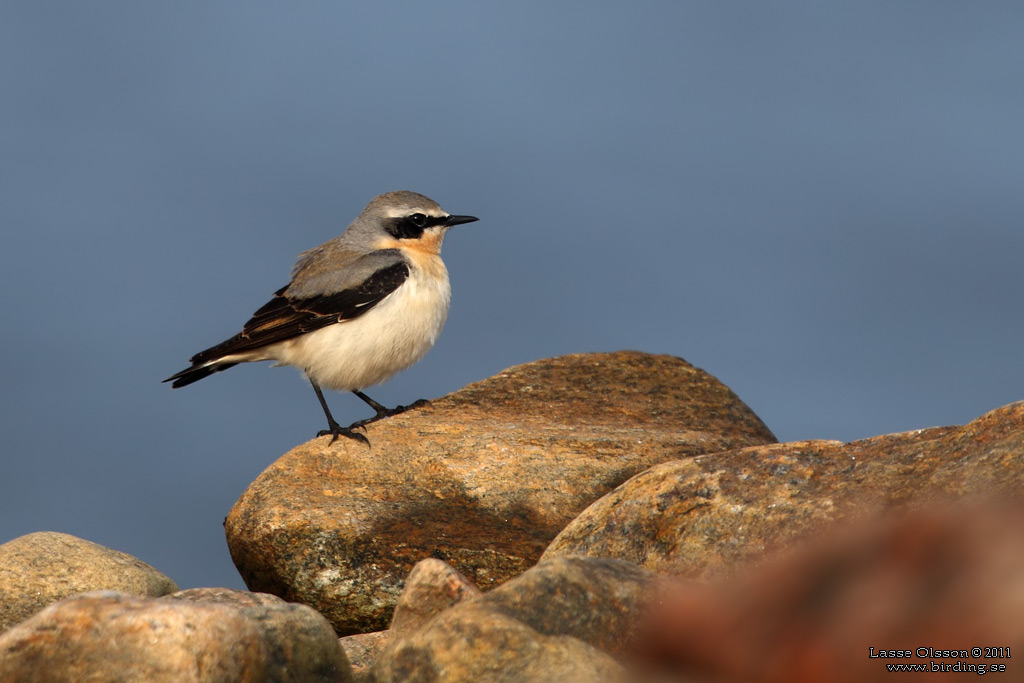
(361,424)
(388,412)
(337,430)
(398,410)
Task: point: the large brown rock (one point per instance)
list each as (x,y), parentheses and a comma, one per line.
(483,478)
(109,636)
(567,619)
(705,515)
(41,568)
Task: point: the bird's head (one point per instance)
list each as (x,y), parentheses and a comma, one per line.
(406,219)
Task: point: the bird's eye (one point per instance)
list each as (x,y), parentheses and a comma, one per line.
(418,219)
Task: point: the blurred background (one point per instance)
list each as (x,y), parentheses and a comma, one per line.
(818,203)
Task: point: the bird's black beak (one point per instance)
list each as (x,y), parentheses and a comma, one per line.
(459,220)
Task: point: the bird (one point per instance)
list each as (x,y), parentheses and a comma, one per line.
(359,308)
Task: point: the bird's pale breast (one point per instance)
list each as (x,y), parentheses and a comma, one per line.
(387,339)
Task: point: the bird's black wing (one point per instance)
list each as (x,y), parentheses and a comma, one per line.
(285,317)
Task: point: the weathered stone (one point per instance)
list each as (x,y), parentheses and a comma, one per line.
(41,568)
(290,631)
(564,620)
(431,587)
(705,515)
(362,650)
(227,596)
(496,648)
(949,578)
(109,636)
(483,478)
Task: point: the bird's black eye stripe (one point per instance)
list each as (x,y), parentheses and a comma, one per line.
(427,221)
(413,225)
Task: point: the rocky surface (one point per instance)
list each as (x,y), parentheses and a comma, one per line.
(943,578)
(483,478)
(704,515)
(228,596)
(566,619)
(487,477)
(39,569)
(432,587)
(110,636)
(362,650)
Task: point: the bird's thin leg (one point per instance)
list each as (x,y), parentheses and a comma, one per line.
(383,412)
(334,429)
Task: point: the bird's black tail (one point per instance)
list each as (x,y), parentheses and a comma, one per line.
(196,373)
(202,365)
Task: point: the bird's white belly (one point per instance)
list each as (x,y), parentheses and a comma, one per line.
(385,340)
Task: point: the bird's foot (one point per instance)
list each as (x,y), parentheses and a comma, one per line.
(422,403)
(389,412)
(337,430)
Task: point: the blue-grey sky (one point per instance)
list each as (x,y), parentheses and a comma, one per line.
(820,203)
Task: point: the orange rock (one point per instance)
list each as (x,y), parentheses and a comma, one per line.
(711,514)
(483,478)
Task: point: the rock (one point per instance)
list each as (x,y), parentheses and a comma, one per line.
(496,648)
(228,596)
(290,631)
(109,636)
(564,620)
(705,515)
(362,650)
(431,587)
(483,478)
(949,578)
(41,568)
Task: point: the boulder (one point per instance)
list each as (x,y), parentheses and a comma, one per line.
(110,636)
(39,569)
(567,619)
(483,478)
(711,514)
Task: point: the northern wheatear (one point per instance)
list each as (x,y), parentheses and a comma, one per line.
(359,309)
